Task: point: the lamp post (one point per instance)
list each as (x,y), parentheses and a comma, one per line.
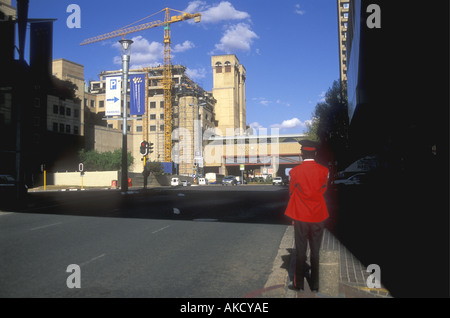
(126,50)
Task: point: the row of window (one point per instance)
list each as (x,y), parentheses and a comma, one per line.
(139,128)
(101,104)
(65,128)
(65,111)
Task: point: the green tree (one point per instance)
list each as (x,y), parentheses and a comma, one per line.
(329,124)
(105,161)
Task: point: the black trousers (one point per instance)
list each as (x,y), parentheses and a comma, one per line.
(307,232)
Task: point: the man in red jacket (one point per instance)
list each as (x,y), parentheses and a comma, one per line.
(308,183)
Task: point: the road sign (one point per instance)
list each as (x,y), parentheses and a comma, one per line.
(80,167)
(113,96)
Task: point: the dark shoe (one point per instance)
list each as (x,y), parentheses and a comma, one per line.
(292,286)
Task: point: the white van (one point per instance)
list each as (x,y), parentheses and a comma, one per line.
(175,182)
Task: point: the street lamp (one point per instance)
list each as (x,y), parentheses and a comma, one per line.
(125,50)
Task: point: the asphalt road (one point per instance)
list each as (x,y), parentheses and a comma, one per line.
(173,243)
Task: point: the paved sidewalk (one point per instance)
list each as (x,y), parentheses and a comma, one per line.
(342,274)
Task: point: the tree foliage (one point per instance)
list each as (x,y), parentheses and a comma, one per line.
(329,123)
(105,161)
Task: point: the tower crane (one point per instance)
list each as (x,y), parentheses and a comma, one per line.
(167,67)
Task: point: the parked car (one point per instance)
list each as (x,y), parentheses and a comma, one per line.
(359,178)
(229,180)
(185,183)
(277,181)
(8,188)
(175,182)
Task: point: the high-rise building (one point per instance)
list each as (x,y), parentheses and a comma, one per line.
(229,90)
(343,12)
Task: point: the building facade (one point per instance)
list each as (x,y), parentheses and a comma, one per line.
(229,78)
(343,12)
(399,112)
(193,114)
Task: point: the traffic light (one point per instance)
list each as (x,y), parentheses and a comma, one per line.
(150,147)
(144,148)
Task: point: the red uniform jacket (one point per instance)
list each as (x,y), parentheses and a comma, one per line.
(307,185)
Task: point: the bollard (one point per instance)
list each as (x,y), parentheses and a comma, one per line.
(329,273)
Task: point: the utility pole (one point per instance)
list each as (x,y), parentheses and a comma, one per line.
(126,50)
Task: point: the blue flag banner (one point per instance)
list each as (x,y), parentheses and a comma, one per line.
(137,94)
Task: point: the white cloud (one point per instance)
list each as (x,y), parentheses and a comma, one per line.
(186,45)
(322,96)
(224,11)
(298,10)
(256,125)
(290,124)
(261,100)
(145,53)
(196,74)
(238,37)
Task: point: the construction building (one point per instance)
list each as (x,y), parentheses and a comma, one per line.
(193,114)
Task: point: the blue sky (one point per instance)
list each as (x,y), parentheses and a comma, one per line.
(288,47)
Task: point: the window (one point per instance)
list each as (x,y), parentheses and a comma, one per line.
(67,129)
(218,67)
(152,104)
(227,67)
(55,109)
(161,116)
(138,128)
(101,104)
(55,127)
(152,128)
(68,111)
(76,113)
(152,116)
(161,104)
(62,111)
(75,130)
(37,102)
(161,127)
(61,128)
(36,121)
(92,103)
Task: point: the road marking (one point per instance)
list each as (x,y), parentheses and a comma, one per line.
(163,228)
(92,259)
(45,226)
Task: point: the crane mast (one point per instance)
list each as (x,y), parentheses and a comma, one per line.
(167,68)
(167,87)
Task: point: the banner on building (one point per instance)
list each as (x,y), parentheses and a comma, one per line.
(113,96)
(137,94)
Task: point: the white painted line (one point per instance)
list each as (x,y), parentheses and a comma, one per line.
(163,228)
(44,226)
(92,259)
